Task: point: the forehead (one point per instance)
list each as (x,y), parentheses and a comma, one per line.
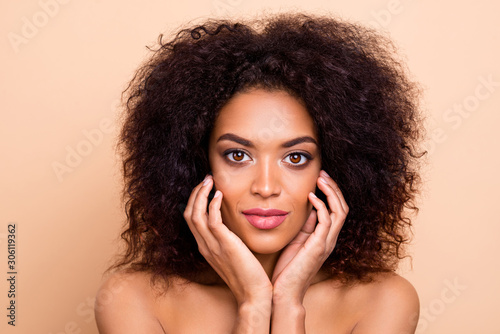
(262,116)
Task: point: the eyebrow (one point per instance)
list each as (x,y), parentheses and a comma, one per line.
(248,143)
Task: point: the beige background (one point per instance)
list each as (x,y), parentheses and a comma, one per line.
(63,66)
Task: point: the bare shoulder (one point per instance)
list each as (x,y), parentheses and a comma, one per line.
(125,303)
(391,305)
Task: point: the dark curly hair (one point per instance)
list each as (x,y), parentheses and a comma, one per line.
(358,93)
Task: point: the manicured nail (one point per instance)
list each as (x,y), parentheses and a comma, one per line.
(217,194)
(206,180)
(325,174)
(322,179)
(313,194)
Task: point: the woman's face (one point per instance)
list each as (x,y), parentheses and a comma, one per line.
(264,154)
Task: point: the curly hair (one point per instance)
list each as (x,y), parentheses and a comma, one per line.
(358,93)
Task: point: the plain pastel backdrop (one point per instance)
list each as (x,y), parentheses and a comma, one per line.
(64,64)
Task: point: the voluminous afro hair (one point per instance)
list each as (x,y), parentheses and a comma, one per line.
(363,104)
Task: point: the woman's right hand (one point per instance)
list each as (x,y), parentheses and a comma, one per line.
(225,251)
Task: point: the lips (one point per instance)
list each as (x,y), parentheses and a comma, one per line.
(265,219)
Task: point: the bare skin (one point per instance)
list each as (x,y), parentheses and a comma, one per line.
(264,154)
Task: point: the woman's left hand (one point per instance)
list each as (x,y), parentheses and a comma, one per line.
(301,260)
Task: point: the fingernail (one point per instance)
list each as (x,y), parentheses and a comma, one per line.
(323,180)
(206,180)
(325,174)
(313,194)
(217,194)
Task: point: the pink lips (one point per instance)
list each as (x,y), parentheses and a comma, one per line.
(265,219)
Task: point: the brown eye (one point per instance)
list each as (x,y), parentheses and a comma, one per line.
(238,156)
(295,158)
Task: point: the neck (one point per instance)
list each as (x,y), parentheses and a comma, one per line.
(268,262)
(210,277)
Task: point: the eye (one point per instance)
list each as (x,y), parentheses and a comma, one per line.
(237,156)
(297,159)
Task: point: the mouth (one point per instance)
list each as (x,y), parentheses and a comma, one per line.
(265,219)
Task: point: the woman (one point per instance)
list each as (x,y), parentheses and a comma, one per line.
(237,142)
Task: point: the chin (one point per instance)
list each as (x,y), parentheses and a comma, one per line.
(265,250)
(266,243)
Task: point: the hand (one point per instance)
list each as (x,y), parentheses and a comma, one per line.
(301,260)
(224,250)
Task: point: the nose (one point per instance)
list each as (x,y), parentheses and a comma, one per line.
(266,179)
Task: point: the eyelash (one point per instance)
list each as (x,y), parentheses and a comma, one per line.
(303,155)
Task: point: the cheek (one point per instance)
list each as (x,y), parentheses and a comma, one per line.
(228,183)
(299,190)
(225,177)
(222,180)
(233,189)
(301,186)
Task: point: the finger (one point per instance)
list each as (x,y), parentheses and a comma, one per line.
(324,219)
(330,182)
(221,233)
(334,232)
(335,201)
(211,229)
(306,230)
(214,215)
(332,197)
(189,206)
(201,198)
(200,215)
(310,223)
(197,217)
(327,230)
